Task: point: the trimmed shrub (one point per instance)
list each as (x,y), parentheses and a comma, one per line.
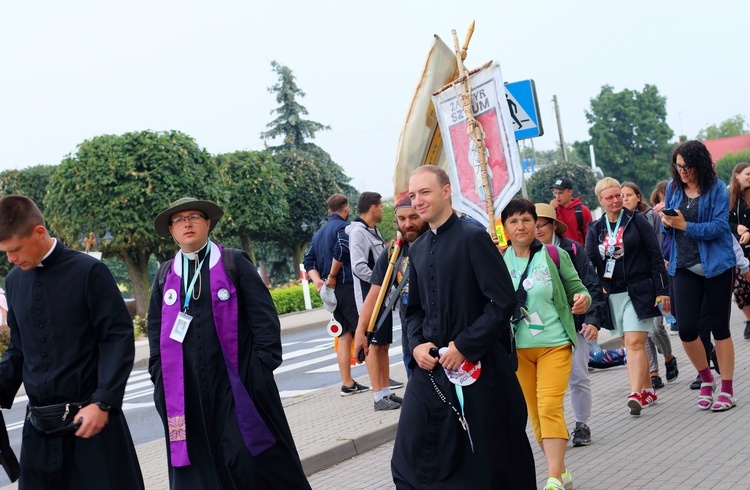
(5,338)
(289,298)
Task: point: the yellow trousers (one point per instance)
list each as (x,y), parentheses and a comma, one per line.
(543,373)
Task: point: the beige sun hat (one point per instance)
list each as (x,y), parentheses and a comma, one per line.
(546,211)
(212,211)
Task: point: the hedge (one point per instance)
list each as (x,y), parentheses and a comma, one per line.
(289,299)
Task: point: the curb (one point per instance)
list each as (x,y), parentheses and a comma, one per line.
(348,449)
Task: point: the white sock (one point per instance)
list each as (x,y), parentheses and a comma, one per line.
(386,391)
(379,395)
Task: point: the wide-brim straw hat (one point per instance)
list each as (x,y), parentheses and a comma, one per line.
(547,211)
(212,211)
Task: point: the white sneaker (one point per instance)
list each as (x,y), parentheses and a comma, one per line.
(553,484)
(567,480)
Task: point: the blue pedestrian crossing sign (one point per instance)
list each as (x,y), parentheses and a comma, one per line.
(524,109)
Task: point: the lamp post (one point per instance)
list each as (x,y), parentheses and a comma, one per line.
(94,239)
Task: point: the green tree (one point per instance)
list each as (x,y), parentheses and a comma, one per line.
(388,226)
(630,135)
(311,176)
(538,185)
(726,164)
(255,186)
(125,181)
(308,188)
(30,182)
(289,125)
(734,126)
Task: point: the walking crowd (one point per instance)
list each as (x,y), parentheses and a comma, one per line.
(473,315)
(491,339)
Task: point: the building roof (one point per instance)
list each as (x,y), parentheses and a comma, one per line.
(722,146)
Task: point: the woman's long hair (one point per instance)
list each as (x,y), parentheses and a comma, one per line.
(735,189)
(697,157)
(642,206)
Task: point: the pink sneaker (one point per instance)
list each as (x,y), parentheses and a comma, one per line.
(635,404)
(648,399)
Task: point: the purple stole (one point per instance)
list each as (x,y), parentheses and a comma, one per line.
(254,431)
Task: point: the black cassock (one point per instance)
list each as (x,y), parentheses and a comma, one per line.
(218,456)
(71,340)
(460,291)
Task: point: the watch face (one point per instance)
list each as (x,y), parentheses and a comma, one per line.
(103,406)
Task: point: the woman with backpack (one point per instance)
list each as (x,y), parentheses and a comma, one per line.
(544,330)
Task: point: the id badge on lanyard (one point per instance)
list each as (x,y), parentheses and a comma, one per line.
(182,322)
(609,268)
(609,265)
(180,327)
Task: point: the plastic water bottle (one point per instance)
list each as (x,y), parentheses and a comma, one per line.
(671,320)
(595,351)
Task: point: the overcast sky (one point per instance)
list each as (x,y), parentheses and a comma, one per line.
(76,69)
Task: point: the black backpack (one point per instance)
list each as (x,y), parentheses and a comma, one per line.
(579,218)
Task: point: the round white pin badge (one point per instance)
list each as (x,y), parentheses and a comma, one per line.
(170,296)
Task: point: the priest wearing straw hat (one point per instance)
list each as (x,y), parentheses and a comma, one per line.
(215,340)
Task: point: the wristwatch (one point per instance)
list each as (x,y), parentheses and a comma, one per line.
(103,406)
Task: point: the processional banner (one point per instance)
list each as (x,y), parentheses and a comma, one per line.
(462,158)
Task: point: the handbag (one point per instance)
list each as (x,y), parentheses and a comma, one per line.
(54,420)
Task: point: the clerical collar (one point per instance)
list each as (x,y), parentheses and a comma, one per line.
(197,255)
(445,226)
(49,252)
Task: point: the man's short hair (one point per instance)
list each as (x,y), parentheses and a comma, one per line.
(337,202)
(18,217)
(438,172)
(367,200)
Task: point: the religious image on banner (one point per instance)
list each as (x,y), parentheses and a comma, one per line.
(466,156)
(462,156)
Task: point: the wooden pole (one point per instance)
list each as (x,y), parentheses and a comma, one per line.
(559,130)
(392,258)
(465,47)
(476,133)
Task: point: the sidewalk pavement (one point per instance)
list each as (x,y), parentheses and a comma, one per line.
(323,437)
(672,445)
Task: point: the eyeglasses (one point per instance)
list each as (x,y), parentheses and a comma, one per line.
(543,225)
(612,197)
(193,218)
(684,168)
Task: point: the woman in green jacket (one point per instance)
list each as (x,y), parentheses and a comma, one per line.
(549,292)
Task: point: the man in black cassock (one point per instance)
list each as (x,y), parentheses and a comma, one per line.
(215,340)
(71,342)
(461,297)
